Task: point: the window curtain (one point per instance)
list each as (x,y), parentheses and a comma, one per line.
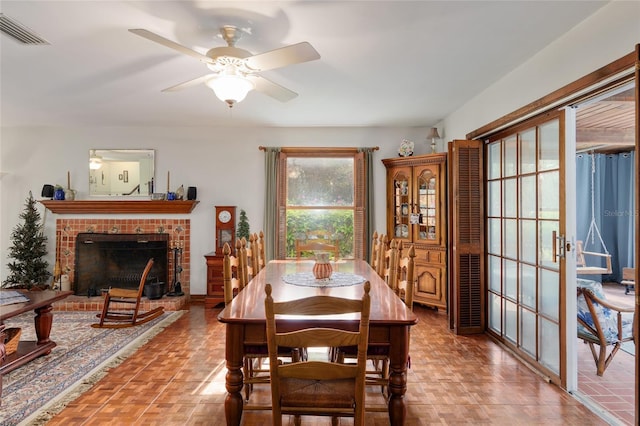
(613,208)
(369,198)
(271,157)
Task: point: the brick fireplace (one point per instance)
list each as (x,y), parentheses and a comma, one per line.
(178,232)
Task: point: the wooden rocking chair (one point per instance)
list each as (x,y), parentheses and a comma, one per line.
(118,316)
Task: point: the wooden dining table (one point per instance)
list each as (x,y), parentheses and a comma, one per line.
(244,317)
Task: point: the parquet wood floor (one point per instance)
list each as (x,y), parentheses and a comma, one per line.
(178,379)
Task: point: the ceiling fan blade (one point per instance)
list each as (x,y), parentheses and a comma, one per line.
(189,83)
(171,44)
(277,58)
(272,89)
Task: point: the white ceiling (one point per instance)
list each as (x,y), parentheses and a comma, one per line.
(383,63)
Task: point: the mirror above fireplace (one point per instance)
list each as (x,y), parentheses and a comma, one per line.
(121,172)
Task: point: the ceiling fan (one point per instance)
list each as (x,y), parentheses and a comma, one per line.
(236,71)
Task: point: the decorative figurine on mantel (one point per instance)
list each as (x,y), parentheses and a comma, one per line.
(406,148)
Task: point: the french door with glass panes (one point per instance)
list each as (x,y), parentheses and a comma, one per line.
(525,203)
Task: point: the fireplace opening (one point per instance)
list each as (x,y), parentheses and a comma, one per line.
(118,260)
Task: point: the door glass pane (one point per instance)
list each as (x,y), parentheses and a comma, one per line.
(528,151)
(493,209)
(528,286)
(528,241)
(510,238)
(493,161)
(510,321)
(509,165)
(546,243)
(509,198)
(528,331)
(549,341)
(495,273)
(528,203)
(495,313)
(550,293)
(510,279)
(549,154)
(548,195)
(494,236)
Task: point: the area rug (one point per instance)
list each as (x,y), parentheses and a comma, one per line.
(35,392)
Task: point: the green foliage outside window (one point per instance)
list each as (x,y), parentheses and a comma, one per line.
(337,222)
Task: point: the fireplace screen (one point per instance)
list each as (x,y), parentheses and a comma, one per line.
(117,260)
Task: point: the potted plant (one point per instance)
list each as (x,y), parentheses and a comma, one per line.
(28,269)
(243,226)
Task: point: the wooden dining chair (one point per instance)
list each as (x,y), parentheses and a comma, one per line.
(262,258)
(122,306)
(317,388)
(403,286)
(253,266)
(389,264)
(319,240)
(405,280)
(253,368)
(231,274)
(383,246)
(373,261)
(243,255)
(235,276)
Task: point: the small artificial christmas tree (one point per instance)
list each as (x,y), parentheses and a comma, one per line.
(243,226)
(29,269)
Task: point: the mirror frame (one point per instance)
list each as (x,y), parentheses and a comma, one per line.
(121,172)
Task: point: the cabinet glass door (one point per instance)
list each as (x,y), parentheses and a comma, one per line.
(401,205)
(427,214)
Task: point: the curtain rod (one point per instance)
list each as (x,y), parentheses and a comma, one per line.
(264,148)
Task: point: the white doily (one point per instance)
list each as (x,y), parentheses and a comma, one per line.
(337,279)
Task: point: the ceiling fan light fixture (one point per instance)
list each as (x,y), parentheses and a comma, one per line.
(95,161)
(230,88)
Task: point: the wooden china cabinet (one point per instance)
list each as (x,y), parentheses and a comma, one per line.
(416,215)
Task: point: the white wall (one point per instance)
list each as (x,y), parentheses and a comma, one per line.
(225,165)
(610,33)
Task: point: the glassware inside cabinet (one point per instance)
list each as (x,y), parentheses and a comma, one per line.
(402,206)
(427,206)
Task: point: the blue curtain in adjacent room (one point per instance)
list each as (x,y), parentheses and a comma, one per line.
(613,209)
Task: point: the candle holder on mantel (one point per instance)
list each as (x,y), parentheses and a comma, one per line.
(322,268)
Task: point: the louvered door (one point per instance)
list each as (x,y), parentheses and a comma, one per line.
(466,238)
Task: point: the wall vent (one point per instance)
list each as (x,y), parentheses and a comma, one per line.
(19,32)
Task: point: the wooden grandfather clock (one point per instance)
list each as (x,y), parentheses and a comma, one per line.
(225,233)
(225,227)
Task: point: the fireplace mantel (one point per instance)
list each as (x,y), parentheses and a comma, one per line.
(119,206)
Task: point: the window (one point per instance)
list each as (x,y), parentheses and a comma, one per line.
(321,190)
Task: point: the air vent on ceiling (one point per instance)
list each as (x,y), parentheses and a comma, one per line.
(19,32)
